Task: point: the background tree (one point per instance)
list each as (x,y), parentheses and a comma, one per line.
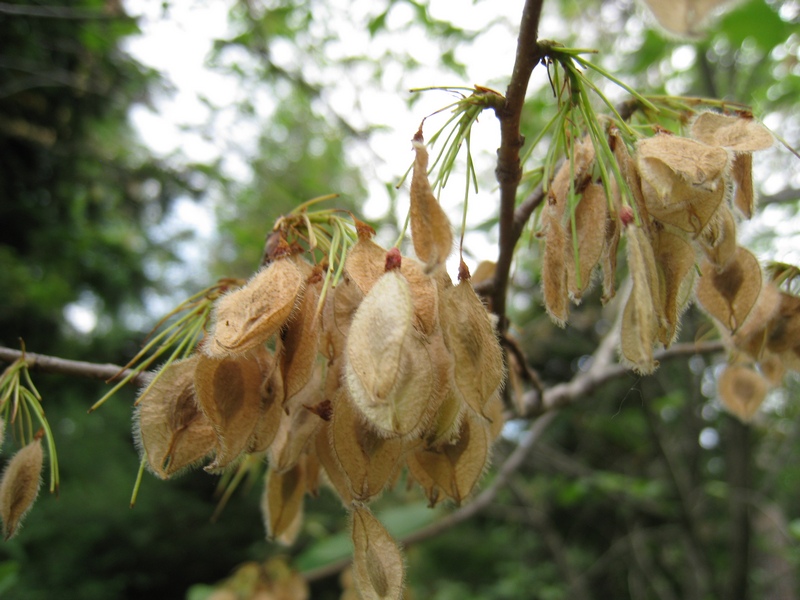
(642,488)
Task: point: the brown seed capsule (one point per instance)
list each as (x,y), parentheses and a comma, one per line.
(271,407)
(169,427)
(639,322)
(682,180)
(674,260)
(336,477)
(739,134)
(478,358)
(742,172)
(20,485)
(367,459)
(300,338)
(453,469)
(430,227)
(742,391)
(554,270)
(718,239)
(228,391)
(578,173)
(684,17)
(282,502)
(248,317)
(729,294)
(784,330)
(590,212)
(378,569)
(297,428)
(341,304)
(752,336)
(365,264)
(424,296)
(388,372)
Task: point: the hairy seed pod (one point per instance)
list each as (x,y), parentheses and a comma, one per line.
(784,330)
(297,428)
(718,239)
(228,391)
(300,338)
(424,295)
(430,227)
(271,407)
(453,469)
(742,390)
(554,270)
(20,485)
(248,317)
(378,569)
(388,372)
(740,134)
(639,323)
(674,260)
(367,459)
(282,503)
(591,210)
(170,429)
(729,294)
(751,336)
(478,358)
(365,263)
(742,172)
(341,304)
(334,473)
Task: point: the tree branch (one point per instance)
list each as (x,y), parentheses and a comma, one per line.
(53,364)
(508,171)
(785,196)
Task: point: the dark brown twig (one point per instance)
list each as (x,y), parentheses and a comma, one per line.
(508,171)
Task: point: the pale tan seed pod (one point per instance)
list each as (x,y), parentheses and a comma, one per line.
(737,133)
(452,470)
(784,329)
(20,485)
(297,428)
(742,172)
(282,503)
(424,295)
(729,294)
(639,322)
(430,227)
(495,415)
(388,372)
(579,172)
(2,431)
(591,211)
(447,421)
(718,239)
(608,260)
(365,263)
(300,338)
(335,476)
(683,181)
(772,368)
(751,336)
(554,270)
(630,173)
(378,569)
(478,358)
(341,304)
(271,408)
(742,390)
(686,18)
(368,460)
(249,316)
(170,429)
(674,260)
(228,391)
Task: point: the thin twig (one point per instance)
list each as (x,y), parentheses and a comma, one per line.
(508,171)
(54,364)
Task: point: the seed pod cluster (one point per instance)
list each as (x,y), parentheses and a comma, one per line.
(679,220)
(393,367)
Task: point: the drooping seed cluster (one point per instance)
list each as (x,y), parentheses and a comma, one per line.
(686,194)
(394,367)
